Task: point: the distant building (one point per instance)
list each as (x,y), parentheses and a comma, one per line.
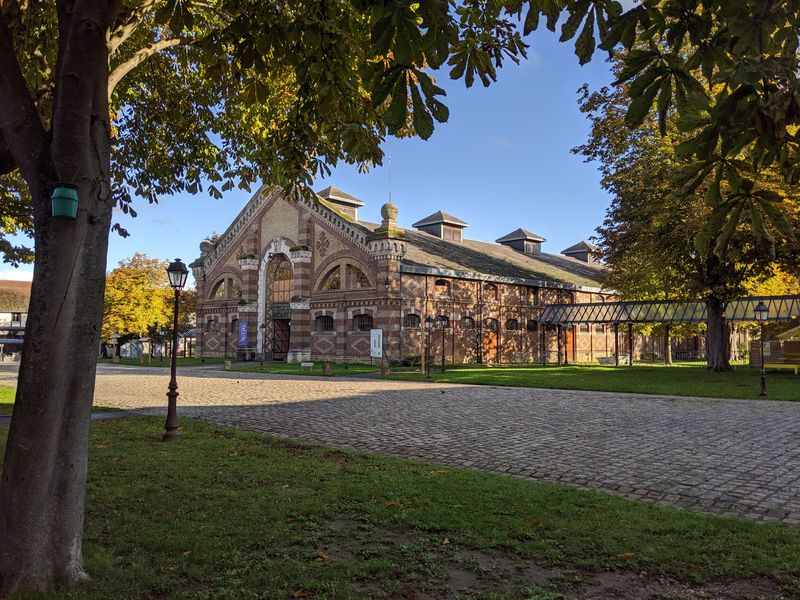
(14,299)
(307,279)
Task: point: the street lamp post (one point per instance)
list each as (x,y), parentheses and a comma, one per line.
(428,331)
(762,313)
(177,273)
(263,328)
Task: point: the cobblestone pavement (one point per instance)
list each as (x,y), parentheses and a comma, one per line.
(728,457)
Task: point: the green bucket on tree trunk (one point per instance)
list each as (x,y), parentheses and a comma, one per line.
(65,201)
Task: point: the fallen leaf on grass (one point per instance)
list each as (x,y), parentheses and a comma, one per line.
(187,552)
(321,558)
(439,472)
(392,504)
(532,522)
(445,541)
(628,555)
(300,594)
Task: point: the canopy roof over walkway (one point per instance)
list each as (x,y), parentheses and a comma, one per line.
(781,308)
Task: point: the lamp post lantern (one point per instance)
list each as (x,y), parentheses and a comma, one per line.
(428,331)
(263,328)
(177,273)
(762,313)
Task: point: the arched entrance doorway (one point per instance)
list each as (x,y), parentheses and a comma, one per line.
(277,315)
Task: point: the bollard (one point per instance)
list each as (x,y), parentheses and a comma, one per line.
(227,365)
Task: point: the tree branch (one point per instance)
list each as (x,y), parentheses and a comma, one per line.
(21,131)
(140,56)
(122,32)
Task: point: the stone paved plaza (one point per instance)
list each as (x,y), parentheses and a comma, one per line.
(723,456)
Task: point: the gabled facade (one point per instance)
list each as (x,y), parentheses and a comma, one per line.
(304,279)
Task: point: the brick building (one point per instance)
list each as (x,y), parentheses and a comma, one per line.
(306,279)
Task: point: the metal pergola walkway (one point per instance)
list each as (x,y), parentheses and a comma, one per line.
(780,308)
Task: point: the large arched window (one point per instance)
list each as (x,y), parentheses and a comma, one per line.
(323,323)
(443,321)
(411,322)
(490,325)
(467,323)
(282,283)
(362,323)
(357,278)
(441,287)
(218,291)
(332,280)
(489,291)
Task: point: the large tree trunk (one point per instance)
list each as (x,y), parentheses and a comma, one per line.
(718,339)
(44,471)
(667,344)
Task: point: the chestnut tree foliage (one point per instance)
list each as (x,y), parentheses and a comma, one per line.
(659,240)
(141,98)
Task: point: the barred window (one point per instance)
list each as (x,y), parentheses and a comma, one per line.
(490,291)
(441,288)
(443,321)
(512,325)
(490,325)
(362,323)
(599,328)
(323,323)
(467,323)
(411,322)
(584,328)
(532,325)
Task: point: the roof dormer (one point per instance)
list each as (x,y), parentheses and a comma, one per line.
(523,240)
(442,225)
(342,202)
(583,251)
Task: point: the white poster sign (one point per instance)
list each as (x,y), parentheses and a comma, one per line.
(376,343)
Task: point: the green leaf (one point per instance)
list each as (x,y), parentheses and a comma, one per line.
(395,116)
(585,44)
(640,106)
(423,123)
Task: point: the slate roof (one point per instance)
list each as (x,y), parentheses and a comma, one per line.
(485,258)
(440,217)
(582,246)
(14,296)
(520,234)
(337,195)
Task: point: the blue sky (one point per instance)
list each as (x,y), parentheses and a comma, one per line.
(502,161)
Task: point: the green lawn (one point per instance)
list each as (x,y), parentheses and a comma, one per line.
(294,369)
(679,380)
(156,362)
(7,397)
(225,514)
(7,394)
